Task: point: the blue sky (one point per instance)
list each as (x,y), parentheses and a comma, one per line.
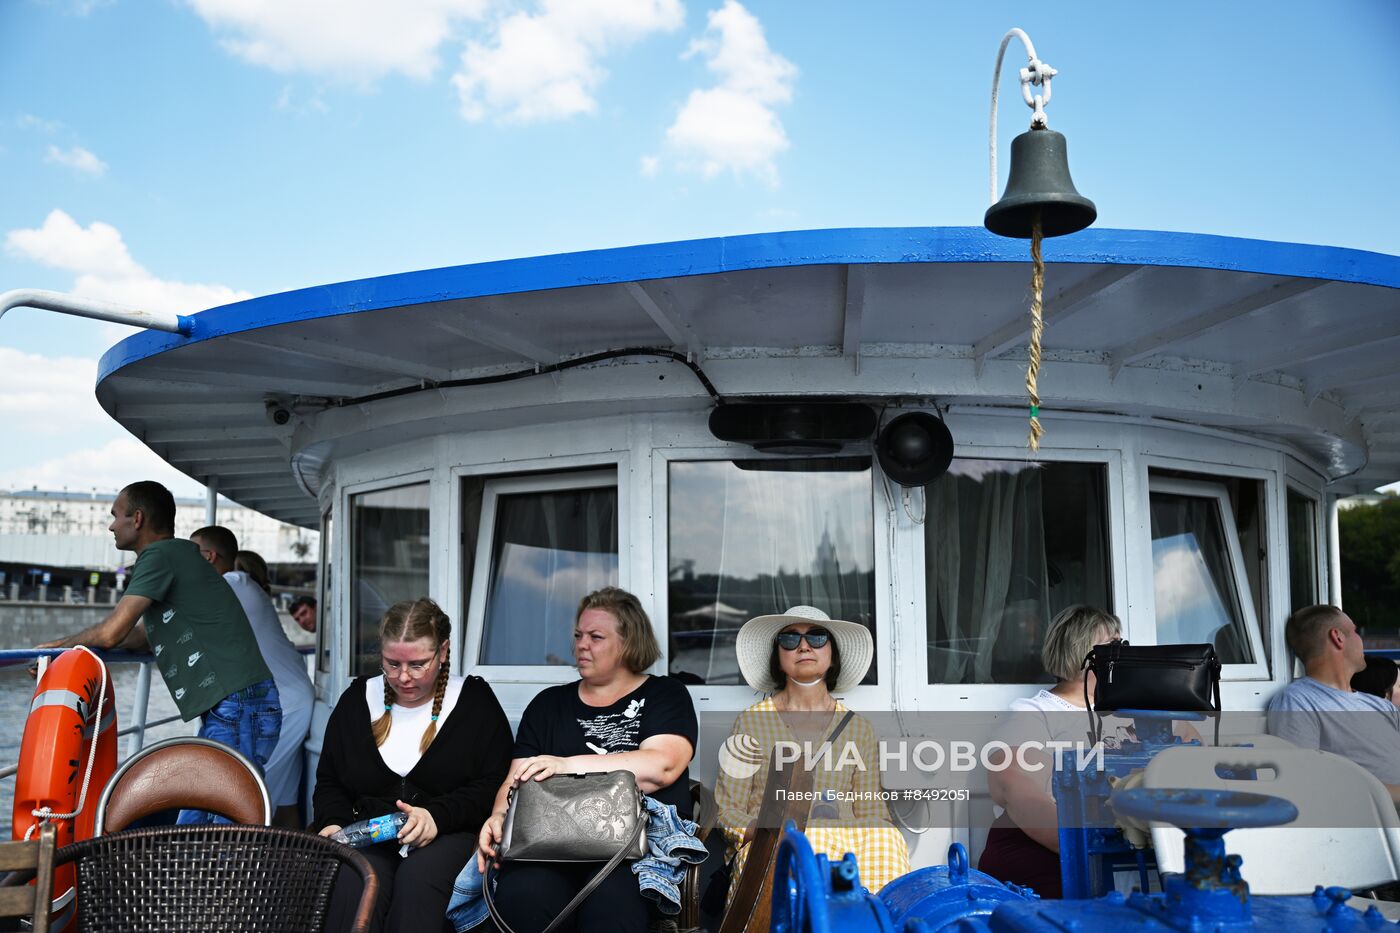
(183,153)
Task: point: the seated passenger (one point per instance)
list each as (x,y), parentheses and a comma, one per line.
(1378,679)
(1024,843)
(415,740)
(800,658)
(614,717)
(1321,710)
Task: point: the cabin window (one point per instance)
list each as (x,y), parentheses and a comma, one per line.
(1007,544)
(752,537)
(1302,552)
(553,539)
(388,562)
(1201,585)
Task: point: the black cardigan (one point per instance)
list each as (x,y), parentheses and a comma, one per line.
(456,779)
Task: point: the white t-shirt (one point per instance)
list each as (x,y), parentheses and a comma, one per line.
(400,749)
(283,770)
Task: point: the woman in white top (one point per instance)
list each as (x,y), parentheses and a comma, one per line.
(416,740)
(1024,843)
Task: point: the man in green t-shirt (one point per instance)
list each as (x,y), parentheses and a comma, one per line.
(177,604)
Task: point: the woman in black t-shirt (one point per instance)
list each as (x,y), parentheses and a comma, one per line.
(614,718)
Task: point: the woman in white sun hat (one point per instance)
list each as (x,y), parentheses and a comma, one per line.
(801,658)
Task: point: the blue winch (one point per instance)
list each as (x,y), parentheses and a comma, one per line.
(811,895)
(1092,848)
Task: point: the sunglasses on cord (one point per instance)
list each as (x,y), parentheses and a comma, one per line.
(789,641)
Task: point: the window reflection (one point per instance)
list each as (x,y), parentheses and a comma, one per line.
(749,538)
(1197,598)
(549,550)
(1302,551)
(389,562)
(1007,544)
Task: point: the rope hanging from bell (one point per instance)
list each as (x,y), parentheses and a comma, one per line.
(1040,199)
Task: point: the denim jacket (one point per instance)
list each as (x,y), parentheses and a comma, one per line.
(671,845)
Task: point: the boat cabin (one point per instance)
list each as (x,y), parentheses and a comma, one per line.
(507,436)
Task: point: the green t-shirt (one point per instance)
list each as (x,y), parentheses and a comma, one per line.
(201,638)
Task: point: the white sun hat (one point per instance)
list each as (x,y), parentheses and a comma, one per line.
(755,646)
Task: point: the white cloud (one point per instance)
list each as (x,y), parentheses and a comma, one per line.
(544,66)
(48,402)
(49,395)
(355,40)
(108,467)
(78,159)
(28,121)
(650,166)
(105,269)
(732,126)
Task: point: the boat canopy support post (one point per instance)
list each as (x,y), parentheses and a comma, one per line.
(97,310)
(1334,552)
(211,501)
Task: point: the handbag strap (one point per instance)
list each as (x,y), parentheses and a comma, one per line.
(840,726)
(579,898)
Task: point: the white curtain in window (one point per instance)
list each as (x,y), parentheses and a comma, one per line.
(550,550)
(985,561)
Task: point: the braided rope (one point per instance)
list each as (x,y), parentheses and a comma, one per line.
(1037,331)
(439,690)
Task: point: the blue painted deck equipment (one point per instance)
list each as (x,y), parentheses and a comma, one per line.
(810,895)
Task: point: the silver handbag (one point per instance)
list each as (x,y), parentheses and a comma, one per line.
(572,818)
(575,818)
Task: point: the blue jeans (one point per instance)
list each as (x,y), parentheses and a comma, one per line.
(249,720)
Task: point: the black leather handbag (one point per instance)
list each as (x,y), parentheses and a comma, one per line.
(1184,678)
(598,817)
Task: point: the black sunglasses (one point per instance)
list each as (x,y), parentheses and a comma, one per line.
(789,641)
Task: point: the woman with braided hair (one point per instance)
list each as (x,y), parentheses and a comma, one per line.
(417,740)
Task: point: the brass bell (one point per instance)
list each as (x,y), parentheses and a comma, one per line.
(1039,181)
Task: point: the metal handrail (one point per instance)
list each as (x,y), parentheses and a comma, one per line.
(11,657)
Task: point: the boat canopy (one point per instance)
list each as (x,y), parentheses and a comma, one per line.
(1292,344)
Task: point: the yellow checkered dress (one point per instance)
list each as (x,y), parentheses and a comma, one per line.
(862,824)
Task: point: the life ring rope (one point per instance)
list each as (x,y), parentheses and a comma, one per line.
(46,814)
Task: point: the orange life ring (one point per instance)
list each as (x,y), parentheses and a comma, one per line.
(53,762)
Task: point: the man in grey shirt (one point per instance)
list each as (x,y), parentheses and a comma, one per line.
(1320,710)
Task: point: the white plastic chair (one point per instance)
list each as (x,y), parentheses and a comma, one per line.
(1361,851)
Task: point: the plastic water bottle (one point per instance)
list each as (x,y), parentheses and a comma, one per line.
(369,832)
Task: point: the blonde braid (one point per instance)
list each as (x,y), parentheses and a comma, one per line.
(431,732)
(381,726)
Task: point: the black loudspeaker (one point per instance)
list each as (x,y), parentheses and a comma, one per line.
(915,449)
(803,427)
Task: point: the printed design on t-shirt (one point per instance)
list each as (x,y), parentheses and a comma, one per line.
(208,681)
(614,732)
(171,671)
(186,636)
(167,615)
(194,659)
(179,693)
(159,649)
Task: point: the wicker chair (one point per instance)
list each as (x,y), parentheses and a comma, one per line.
(215,879)
(184,773)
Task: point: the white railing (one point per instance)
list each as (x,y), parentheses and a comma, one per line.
(136,732)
